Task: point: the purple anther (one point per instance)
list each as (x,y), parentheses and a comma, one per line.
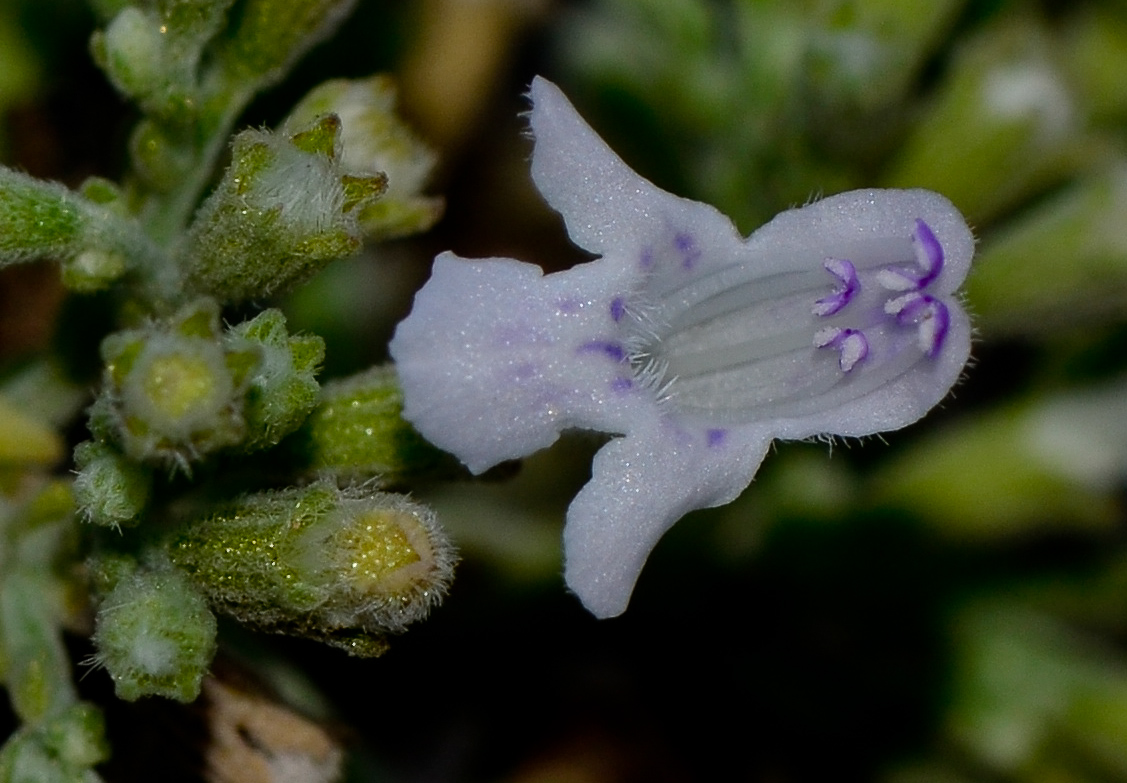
(854,348)
(846,273)
(852,345)
(716,437)
(617,308)
(929,257)
(927,313)
(909,308)
(687,247)
(929,253)
(608,348)
(933,328)
(622,385)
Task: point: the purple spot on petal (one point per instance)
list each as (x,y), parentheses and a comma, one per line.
(569,305)
(610,349)
(617,308)
(716,437)
(512,335)
(647,258)
(525,371)
(622,384)
(687,247)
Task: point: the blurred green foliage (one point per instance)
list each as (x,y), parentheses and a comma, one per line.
(1014,110)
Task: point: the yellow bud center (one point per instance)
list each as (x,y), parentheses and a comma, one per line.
(178,385)
(378,548)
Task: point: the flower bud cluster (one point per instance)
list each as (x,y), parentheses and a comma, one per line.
(192,408)
(179,391)
(152,53)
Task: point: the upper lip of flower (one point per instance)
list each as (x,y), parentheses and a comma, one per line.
(696,345)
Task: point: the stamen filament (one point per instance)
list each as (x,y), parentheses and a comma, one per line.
(718,359)
(714,296)
(751,396)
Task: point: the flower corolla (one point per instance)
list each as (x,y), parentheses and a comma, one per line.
(695,346)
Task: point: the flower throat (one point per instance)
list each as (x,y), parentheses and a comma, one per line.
(737,345)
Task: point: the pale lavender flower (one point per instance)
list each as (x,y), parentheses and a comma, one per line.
(698,347)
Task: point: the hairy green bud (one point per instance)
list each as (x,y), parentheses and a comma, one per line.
(175,393)
(38,219)
(152,54)
(96,268)
(131,51)
(109,489)
(374,140)
(343,567)
(357,431)
(283,388)
(155,636)
(77,737)
(283,210)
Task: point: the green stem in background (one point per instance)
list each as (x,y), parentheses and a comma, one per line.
(190,165)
